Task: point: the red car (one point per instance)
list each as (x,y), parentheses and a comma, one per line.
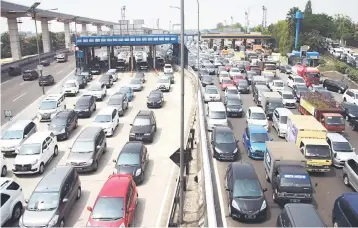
(228,67)
(237,78)
(226,82)
(115,204)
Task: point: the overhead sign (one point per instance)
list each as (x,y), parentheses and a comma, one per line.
(305,48)
(175,157)
(8,113)
(40,67)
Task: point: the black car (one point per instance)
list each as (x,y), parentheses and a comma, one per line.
(233,105)
(249,76)
(334,86)
(142,65)
(243,86)
(45,62)
(46,80)
(88,75)
(96,69)
(85,106)
(82,81)
(202,72)
(63,124)
(155,99)
(132,160)
(160,62)
(144,127)
(28,75)
(207,80)
(299,90)
(121,65)
(14,71)
(140,75)
(287,69)
(245,195)
(224,144)
(350,112)
(107,80)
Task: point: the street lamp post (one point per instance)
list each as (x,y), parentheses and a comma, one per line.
(198,57)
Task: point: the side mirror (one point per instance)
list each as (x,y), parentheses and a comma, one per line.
(26,200)
(264,189)
(227,189)
(64,200)
(89,208)
(48,124)
(114,160)
(237,141)
(26,136)
(212,141)
(335,155)
(131,124)
(74,105)
(98,147)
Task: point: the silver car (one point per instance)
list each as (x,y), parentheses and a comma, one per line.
(350,173)
(136,84)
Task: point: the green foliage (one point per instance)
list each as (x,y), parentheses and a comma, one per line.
(344,27)
(221,26)
(327,63)
(308,8)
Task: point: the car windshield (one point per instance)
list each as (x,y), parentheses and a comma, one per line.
(70,84)
(128,159)
(226,81)
(45,105)
(30,149)
(225,138)
(235,70)
(342,147)
(135,81)
(259,137)
(232,91)
(209,66)
(287,96)
(207,79)
(163,80)
(95,88)
(58,122)
(43,201)
(108,209)
(273,105)
(288,67)
(168,67)
(124,90)
(283,119)
(270,67)
(155,95)
(82,147)
(242,83)
(103,118)
(258,116)
(141,122)
(82,102)
(335,120)
(234,102)
(211,91)
(279,84)
(291,180)
(115,101)
(313,75)
(217,115)
(246,188)
(299,80)
(15,134)
(105,77)
(318,151)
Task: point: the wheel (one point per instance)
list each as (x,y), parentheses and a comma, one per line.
(335,224)
(76,124)
(4,171)
(95,108)
(79,193)
(346,180)
(16,212)
(229,209)
(267,177)
(62,223)
(67,135)
(353,127)
(42,168)
(344,99)
(95,165)
(55,151)
(274,196)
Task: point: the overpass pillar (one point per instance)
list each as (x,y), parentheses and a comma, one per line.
(233,44)
(154,56)
(46,40)
(14,38)
(99,30)
(84,29)
(67,34)
(222,43)
(211,43)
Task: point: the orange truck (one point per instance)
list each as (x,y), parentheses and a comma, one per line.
(327,112)
(311,75)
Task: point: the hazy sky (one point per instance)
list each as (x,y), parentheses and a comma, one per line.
(211,11)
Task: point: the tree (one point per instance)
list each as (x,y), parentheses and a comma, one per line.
(5,45)
(320,22)
(308,8)
(220,25)
(345,28)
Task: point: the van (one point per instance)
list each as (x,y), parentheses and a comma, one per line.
(51,202)
(257,80)
(216,115)
(50,106)
(279,120)
(256,89)
(260,94)
(299,215)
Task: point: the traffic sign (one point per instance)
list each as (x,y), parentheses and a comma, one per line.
(175,157)
(305,48)
(40,67)
(8,113)
(80,54)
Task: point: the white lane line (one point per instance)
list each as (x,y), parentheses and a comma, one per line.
(18,97)
(59,72)
(22,83)
(5,82)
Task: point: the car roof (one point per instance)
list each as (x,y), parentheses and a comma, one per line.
(353,90)
(19,125)
(53,97)
(284,111)
(117,96)
(243,171)
(106,111)
(116,186)
(132,147)
(64,113)
(216,106)
(231,88)
(306,211)
(256,129)
(88,133)
(211,87)
(37,137)
(286,92)
(72,80)
(256,109)
(145,113)
(223,129)
(352,199)
(50,182)
(293,169)
(336,137)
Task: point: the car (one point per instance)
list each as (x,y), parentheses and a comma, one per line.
(115,204)
(341,149)
(53,199)
(250,75)
(36,152)
(295,80)
(12,200)
(228,67)
(46,80)
(132,160)
(107,79)
(220,69)
(114,74)
(269,76)
(163,84)
(299,90)
(224,144)
(143,127)
(279,120)
(243,86)
(345,210)
(217,63)
(128,91)
(45,62)
(276,85)
(15,135)
(140,75)
(119,101)
(155,99)
(87,149)
(81,80)
(29,75)
(256,116)
(3,164)
(223,75)
(246,196)
(136,84)
(49,106)
(63,124)
(216,115)
(85,106)
(87,74)
(210,68)
(232,90)
(288,99)
(14,71)
(237,78)
(211,93)
(170,77)
(286,69)
(202,72)
(96,69)
(335,86)
(317,88)
(168,68)
(226,82)
(292,214)
(98,90)
(351,96)
(207,80)
(234,72)
(108,119)
(71,87)
(254,139)
(233,105)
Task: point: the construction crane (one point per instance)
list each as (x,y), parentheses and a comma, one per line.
(123,18)
(264,17)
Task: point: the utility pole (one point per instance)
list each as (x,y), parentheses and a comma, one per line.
(264,17)
(123,18)
(247,22)
(158,23)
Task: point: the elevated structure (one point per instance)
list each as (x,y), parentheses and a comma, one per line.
(235,36)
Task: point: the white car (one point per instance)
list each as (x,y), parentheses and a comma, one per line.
(351,96)
(341,149)
(276,85)
(71,87)
(3,165)
(234,72)
(256,116)
(279,120)
(168,68)
(98,90)
(211,93)
(295,80)
(288,99)
(316,88)
(232,90)
(163,84)
(12,200)
(50,106)
(36,152)
(136,84)
(222,75)
(114,74)
(107,119)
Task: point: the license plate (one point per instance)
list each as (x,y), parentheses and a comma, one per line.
(294,200)
(139,138)
(250,216)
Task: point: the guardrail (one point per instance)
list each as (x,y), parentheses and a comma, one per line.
(29,60)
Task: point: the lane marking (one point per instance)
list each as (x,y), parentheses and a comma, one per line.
(5,82)
(18,97)
(22,83)
(59,72)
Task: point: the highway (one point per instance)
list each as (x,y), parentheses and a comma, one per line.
(161,172)
(16,94)
(330,185)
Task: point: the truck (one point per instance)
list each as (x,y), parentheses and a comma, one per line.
(326,111)
(285,168)
(270,101)
(269,66)
(311,75)
(310,137)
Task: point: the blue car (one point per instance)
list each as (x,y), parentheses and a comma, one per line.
(345,210)
(127,90)
(254,138)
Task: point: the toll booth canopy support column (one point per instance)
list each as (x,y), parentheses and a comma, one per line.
(132,59)
(211,43)
(92,53)
(109,57)
(154,56)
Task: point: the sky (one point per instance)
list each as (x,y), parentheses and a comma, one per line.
(211,11)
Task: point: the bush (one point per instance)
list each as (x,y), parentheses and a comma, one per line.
(341,67)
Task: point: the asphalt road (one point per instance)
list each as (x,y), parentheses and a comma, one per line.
(161,172)
(16,94)
(330,185)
